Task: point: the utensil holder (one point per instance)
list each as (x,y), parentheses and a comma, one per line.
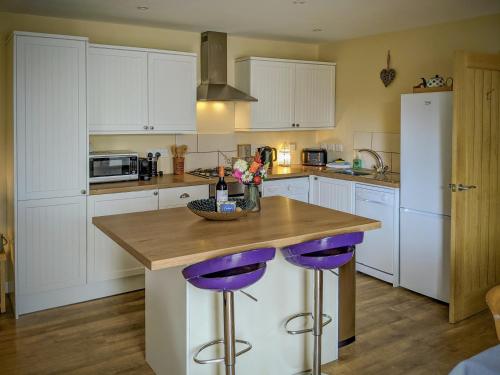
(178,165)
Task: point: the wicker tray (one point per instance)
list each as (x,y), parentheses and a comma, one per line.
(206,208)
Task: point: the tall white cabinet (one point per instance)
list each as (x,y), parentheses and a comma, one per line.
(292,94)
(134,90)
(49,139)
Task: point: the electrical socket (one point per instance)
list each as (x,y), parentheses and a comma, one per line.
(163,151)
(293,146)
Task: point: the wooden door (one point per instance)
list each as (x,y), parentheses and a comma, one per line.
(117,90)
(51,125)
(475,234)
(107,260)
(272,83)
(172,92)
(51,244)
(314,95)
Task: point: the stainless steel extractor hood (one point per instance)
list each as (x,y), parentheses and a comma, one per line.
(213,57)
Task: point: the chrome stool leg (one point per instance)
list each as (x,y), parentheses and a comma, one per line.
(318,321)
(229,337)
(317,329)
(229,340)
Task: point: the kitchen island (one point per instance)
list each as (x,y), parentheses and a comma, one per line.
(180,318)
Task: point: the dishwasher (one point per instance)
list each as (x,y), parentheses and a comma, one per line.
(378,254)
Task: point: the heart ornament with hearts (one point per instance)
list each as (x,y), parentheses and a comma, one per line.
(388,74)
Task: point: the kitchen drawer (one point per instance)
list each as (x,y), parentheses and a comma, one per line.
(292,188)
(179,197)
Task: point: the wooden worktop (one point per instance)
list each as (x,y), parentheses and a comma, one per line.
(169,180)
(176,236)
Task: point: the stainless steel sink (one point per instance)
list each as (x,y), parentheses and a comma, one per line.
(354,172)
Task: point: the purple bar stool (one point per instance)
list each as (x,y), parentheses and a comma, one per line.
(228,274)
(324,254)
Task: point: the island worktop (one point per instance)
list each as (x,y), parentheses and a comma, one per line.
(176,236)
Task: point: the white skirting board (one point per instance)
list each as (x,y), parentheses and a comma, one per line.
(60,297)
(180,318)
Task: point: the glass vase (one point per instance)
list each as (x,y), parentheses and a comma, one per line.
(253,197)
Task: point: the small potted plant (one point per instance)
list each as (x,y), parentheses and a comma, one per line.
(251,175)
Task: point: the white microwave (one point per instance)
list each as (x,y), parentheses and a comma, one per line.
(110,166)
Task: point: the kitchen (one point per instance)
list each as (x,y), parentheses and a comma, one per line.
(157,114)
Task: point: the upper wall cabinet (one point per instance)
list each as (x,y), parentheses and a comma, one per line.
(133,90)
(292,95)
(118,89)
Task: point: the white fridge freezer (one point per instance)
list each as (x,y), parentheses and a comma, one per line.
(426,136)
(424,260)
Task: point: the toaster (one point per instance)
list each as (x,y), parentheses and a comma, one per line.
(314,156)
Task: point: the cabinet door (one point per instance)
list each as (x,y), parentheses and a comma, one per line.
(272,83)
(117,90)
(107,260)
(51,130)
(314,95)
(51,244)
(172,92)
(181,196)
(333,193)
(293,188)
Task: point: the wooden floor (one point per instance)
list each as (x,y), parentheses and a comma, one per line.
(398,332)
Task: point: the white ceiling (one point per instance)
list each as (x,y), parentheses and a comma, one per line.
(277,19)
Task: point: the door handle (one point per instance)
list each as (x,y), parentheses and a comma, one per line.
(460,187)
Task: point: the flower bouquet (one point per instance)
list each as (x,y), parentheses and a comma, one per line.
(251,175)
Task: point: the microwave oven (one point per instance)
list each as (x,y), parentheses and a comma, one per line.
(110,166)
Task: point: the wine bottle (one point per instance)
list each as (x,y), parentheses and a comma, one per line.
(221,192)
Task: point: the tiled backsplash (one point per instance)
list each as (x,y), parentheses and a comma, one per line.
(202,148)
(386,144)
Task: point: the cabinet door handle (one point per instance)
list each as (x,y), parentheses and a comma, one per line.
(152,127)
(293,125)
(184,195)
(83,191)
(155,193)
(315,178)
(298,125)
(146,127)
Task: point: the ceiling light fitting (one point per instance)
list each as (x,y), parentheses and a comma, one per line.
(317,30)
(142,8)
(299,2)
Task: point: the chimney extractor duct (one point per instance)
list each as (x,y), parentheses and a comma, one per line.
(213,60)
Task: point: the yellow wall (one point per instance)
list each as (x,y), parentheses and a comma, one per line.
(362,101)
(150,37)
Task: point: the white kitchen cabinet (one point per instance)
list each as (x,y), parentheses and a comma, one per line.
(172,92)
(314,99)
(50,245)
(378,255)
(181,196)
(137,90)
(118,89)
(294,188)
(291,94)
(48,169)
(332,193)
(50,116)
(106,260)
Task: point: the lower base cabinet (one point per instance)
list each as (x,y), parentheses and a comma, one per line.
(105,259)
(332,193)
(293,188)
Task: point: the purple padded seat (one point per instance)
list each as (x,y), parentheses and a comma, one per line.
(324,254)
(230,272)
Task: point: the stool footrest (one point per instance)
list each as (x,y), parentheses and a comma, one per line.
(220,359)
(328,320)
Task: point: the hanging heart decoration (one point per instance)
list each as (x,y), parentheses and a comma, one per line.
(388,74)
